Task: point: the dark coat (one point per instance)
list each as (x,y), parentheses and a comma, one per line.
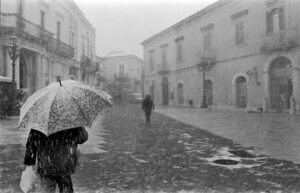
(147,105)
(57,153)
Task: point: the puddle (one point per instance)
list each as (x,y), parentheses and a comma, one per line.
(226,162)
(225,158)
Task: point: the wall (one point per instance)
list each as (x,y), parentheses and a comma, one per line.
(231,60)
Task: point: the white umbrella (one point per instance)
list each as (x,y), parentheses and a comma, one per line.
(63,105)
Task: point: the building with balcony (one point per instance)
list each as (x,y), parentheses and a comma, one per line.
(253,48)
(122,74)
(54,38)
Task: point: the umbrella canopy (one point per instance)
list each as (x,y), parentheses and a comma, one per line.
(62,106)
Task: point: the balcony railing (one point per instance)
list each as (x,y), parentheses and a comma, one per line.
(281,40)
(85,61)
(121,76)
(12,23)
(163,69)
(58,47)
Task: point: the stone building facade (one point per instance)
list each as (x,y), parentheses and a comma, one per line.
(252,48)
(54,38)
(122,74)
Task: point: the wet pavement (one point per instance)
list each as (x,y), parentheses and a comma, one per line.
(123,154)
(275,135)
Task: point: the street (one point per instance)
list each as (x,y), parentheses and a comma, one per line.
(123,154)
(276,135)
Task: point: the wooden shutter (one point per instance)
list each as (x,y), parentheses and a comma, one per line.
(281,18)
(242,32)
(237,33)
(269,22)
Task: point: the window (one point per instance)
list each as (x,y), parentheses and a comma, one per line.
(239,33)
(207,40)
(88,44)
(164,56)
(179,49)
(121,69)
(72,39)
(58,30)
(275,20)
(42,19)
(239,20)
(83,49)
(151,60)
(207,32)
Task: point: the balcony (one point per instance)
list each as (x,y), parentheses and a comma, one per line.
(85,61)
(121,77)
(58,47)
(12,24)
(280,41)
(163,69)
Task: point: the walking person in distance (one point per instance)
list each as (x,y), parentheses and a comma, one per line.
(148,106)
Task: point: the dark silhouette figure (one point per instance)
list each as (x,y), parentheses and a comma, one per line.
(56,157)
(148,106)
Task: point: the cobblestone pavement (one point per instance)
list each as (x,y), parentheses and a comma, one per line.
(276,135)
(123,154)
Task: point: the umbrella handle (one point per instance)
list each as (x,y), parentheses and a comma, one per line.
(59,81)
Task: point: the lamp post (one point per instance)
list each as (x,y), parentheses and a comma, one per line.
(203,66)
(14,53)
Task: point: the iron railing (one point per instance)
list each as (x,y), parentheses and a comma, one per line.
(12,23)
(281,40)
(163,69)
(59,47)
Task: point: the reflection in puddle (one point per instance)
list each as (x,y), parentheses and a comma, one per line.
(224,153)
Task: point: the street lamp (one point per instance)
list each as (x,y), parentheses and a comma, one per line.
(14,53)
(203,66)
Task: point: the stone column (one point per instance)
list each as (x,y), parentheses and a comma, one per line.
(38,70)
(295,107)
(266,99)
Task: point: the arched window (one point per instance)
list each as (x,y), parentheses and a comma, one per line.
(241,92)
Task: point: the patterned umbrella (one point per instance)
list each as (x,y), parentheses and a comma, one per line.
(62,106)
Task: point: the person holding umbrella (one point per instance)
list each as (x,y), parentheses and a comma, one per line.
(56,157)
(56,116)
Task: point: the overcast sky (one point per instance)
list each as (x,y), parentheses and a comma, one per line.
(121,25)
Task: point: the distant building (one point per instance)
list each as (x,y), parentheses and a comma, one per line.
(55,40)
(122,74)
(251,46)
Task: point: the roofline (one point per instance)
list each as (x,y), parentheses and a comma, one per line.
(201,13)
(127,55)
(83,17)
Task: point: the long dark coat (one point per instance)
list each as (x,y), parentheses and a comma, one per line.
(148,105)
(57,153)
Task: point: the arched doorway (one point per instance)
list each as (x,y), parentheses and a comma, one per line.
(208,89)
(241,92)
(180,93)
(152,91)
(165,90)
(281,85)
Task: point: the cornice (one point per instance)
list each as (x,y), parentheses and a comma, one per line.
(188,20)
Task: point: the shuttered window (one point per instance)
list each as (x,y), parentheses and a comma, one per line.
(275,20)
(239,33)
